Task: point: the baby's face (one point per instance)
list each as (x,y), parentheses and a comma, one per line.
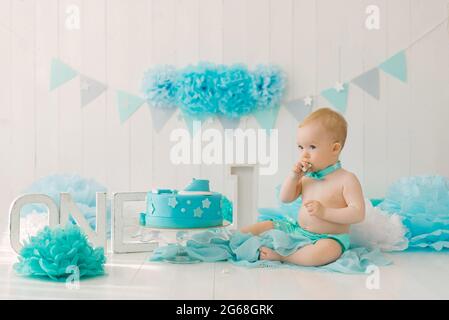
(316,146)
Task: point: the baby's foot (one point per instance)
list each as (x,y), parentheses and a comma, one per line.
(268,254)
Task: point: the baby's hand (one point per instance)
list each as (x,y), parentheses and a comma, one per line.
(297,168)
(301,167)
(315,208)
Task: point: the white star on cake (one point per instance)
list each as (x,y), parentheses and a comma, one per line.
(197,213)
(172,202)
(206,203)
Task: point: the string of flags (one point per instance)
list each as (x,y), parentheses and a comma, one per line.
(337,96)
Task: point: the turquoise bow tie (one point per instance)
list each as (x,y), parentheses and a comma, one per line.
(319,175)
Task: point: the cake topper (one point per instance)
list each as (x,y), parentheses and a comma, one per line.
(197,186)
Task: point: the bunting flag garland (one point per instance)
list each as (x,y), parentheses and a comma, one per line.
(300,108)
(60,73)
(229,123)
(337,97)
(396,66)
(127,104)
(90,89)
(267,118)
(189,121)
(369,82)
(160,117)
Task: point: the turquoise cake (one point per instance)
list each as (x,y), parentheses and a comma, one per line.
(194,207)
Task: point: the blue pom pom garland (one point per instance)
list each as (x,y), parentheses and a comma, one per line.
(215,90)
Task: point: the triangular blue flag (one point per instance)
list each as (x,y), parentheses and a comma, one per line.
(298,108)
(267,118)
(396,66)
(229,123)
(189,120)
(160,116)
(338,99)
(60,73)
(90,89)
(127,104)
(369,82)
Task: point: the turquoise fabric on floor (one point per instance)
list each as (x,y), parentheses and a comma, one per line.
(243,249)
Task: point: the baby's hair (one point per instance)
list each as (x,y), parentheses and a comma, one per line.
(332,121)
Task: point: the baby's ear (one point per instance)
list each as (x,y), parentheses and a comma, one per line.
(336,147)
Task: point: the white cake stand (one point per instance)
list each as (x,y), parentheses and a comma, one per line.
(182,235)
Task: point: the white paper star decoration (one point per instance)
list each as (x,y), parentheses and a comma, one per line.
(308,101)
(339,86)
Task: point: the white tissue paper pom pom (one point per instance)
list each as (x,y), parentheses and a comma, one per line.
(32,223)
(380,229)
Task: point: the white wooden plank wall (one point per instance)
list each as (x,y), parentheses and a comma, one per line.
(317,42)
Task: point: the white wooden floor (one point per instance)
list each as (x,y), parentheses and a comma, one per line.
(132,276)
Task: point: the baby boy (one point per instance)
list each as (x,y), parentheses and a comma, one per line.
(332,197)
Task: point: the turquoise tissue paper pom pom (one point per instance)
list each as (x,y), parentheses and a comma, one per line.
(159,86)
(268,84)
(423,202)
(53,252)
(197,91)
(234,86)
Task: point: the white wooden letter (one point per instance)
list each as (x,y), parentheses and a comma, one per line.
(69,208)
(118,246)
(14,215)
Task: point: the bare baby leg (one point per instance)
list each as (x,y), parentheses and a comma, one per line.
(258,228)
(323,252)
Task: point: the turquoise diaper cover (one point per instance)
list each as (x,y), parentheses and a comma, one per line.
(291,226)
